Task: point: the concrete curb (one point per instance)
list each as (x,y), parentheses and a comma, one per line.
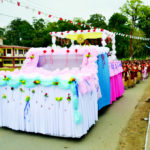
(147,142)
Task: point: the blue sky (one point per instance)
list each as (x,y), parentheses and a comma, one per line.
(62,8)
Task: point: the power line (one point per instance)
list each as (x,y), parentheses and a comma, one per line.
(38,5)
(33,8)
(50,16)
(14,2)
(1,14)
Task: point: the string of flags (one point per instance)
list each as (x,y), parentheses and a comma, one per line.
(50,16)
(39,12)
(133,37)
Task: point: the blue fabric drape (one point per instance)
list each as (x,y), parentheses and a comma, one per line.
(104,80)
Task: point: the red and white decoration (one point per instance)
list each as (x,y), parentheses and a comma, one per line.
(105,34)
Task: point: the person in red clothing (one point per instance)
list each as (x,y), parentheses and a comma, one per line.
(148,67)
(139,72)
(135,72)
(126,75)
(132,75)
(125,70)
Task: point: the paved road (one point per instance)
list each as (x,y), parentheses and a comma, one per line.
(103,136)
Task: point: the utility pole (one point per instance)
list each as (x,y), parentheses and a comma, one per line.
(131,40)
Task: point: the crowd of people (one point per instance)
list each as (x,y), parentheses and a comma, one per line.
(134,71)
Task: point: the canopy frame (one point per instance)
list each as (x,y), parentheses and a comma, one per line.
(105,34)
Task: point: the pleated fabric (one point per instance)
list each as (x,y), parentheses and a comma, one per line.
(104,80)
(44,114)
(117,87)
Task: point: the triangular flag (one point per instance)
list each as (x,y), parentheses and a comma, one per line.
(39,12)
(50,16)
(18,3)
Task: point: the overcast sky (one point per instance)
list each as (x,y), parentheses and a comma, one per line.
(67,9)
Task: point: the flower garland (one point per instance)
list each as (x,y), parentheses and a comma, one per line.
(71,80)
(55,83)
(33,91)
(69,97)
(27,98)
(88,55)
(71,84)
(36,82)
(23,82)
(32,56)
(6,78)
(4,96)
(46,94)
(59,98)
(21,90)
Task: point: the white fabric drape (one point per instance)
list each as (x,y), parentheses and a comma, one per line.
(46,115)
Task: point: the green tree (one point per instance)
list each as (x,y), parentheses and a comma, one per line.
(41,35)
(2,32)
(139,45)
(79,20)
(144,24)
(38,24)
(97,20)
(119,23)
(19,32)
(132,9)
(144,20)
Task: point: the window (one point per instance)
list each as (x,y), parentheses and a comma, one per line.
(7,61)
(20,51)
(15,51)
(60,62)
(1,53)
(4,52)
(25,51)
(22,61)
(17,62)
(8,51)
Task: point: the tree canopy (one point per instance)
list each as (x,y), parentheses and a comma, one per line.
(132,9)
(97,20)
(119,23)
(2,32)
(37,34)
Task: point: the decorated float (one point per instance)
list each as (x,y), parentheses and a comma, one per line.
(58,91)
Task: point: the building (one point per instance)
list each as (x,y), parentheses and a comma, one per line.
(12,56)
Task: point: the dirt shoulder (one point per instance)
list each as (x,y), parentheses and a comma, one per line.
(133,136)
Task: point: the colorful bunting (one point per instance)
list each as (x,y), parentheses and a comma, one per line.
(39,12)
(80,24)
(18,3)
(133,37)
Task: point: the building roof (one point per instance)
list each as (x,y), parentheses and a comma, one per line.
(13,46)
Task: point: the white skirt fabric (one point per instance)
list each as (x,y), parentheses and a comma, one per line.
(44,114)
